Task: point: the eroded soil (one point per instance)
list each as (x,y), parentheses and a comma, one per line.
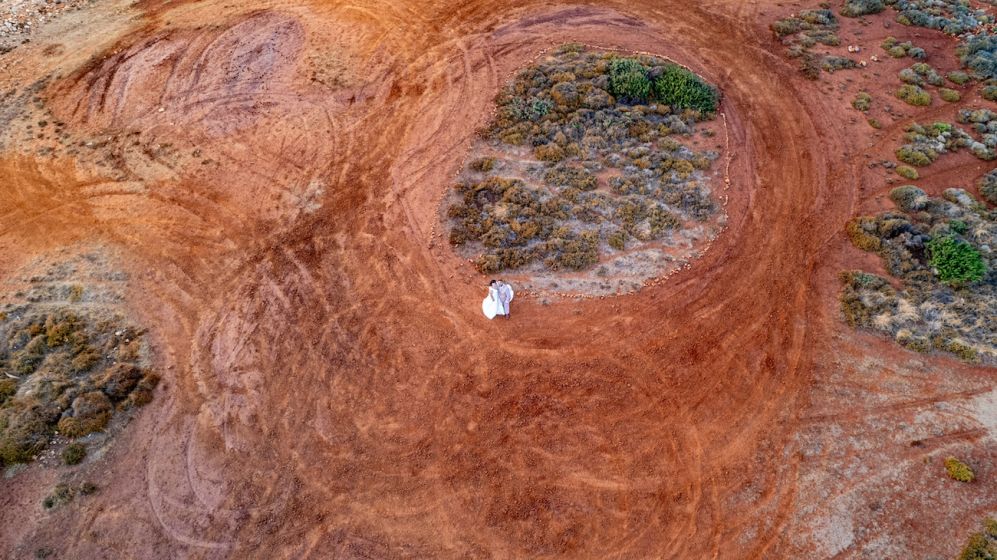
(330,389)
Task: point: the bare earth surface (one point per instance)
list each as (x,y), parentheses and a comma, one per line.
(267,175)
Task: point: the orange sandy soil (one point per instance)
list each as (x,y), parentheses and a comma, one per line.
(330,387)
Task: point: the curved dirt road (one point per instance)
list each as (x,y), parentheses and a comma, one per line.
(331,389)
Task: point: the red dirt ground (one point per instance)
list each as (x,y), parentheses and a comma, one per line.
(330,388)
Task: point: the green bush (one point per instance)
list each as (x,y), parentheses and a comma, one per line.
(74,453)
(956,261)
(958,470)
(914,95)
(907,172)
(949,95)
(958,77)
(916,156)
(856,8)
(628,80)
(862,101)
(681,89)
(989,92)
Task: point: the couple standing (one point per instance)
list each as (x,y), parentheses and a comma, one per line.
(497,301)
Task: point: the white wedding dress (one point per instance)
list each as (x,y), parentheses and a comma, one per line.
(491,306)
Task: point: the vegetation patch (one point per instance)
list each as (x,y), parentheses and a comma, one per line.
(958,77)
(66,372)
(978,54)
(64,493)
(857,8)
(862,101)
(941,252)
(74,453)
(586,159)
(957,470)
(954,17)
(914,95)
(810,28)
(981,545)
(988,187)
(927,142)
(949,95)
(896,49)
(907,172)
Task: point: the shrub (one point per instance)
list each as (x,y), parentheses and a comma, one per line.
(989,92)
(628,80)
(831,63)
(8,388)
(956,261)
(856,8)
(62,494)
(862,101)
(810,66)
(978,53)
(988,187)
(681,89)
(909,76)
(787,26)
(915,156)
(549,152)
(874,123)
(23,430)
(958,77)
(978,548)
(483,165)
(618,239)
(949,95)
(858,234)
(914,95)
(857,308)
(909,198)
(74,453)
(822,17)
(907,172)
(958,470)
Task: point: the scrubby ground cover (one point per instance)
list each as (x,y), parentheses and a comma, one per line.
(587,157)
(926,143)
(954,17)
(801,32)
(70,361)
(64,372)
(941,249)
(981,545)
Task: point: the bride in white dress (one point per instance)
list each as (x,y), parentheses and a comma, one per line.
(493,304)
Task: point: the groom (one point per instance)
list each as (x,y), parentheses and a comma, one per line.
(505,296)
